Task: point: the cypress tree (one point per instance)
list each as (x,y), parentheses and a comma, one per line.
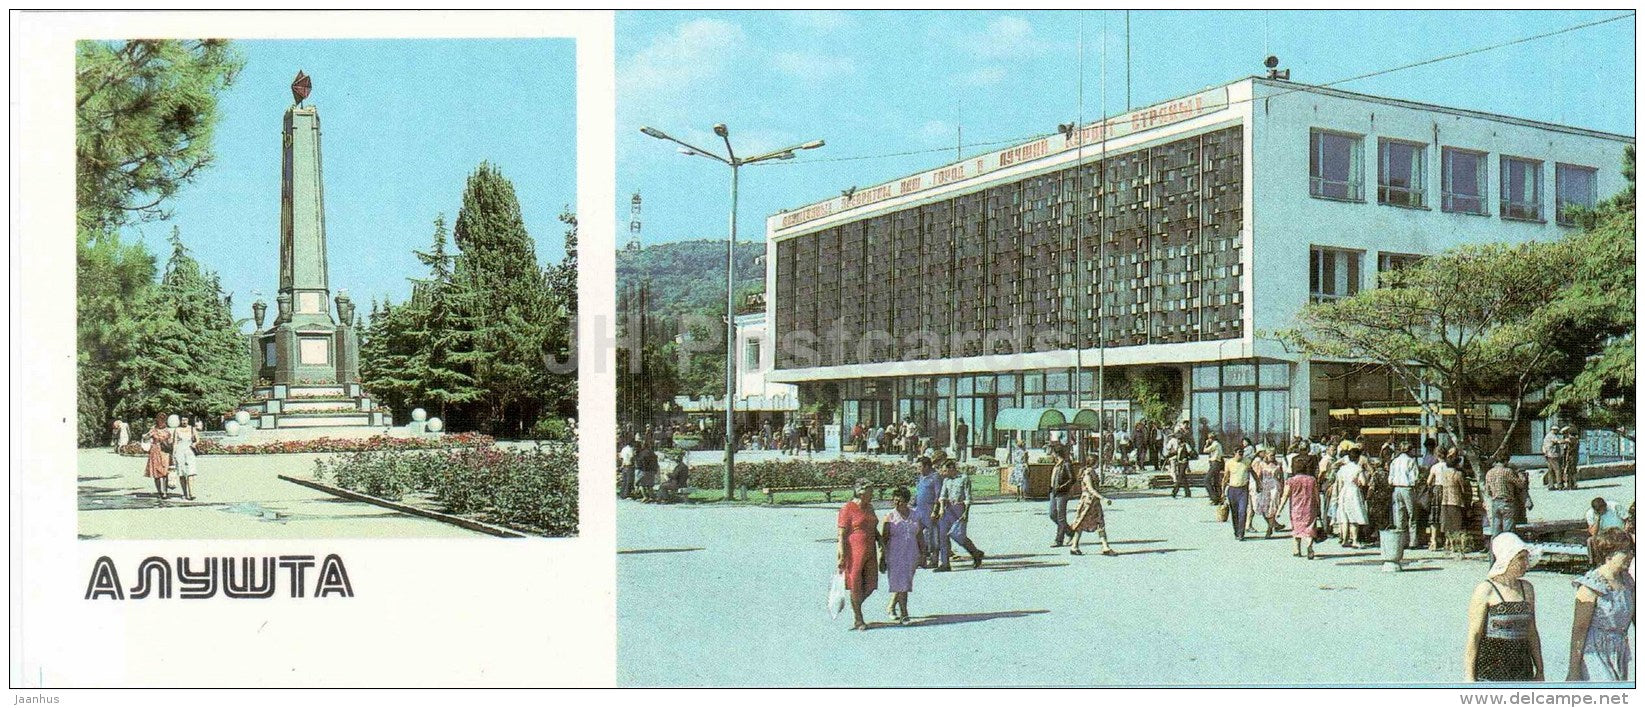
(501,307)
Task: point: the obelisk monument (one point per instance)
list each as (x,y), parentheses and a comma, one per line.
(308,345)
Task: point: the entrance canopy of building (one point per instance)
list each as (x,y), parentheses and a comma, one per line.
(1045,418)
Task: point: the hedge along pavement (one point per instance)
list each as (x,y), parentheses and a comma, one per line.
(375,443)
(534,489)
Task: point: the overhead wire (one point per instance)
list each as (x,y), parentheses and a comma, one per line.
(1300,87)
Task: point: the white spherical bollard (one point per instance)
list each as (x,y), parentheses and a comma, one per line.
(436,425)
(242,417)
(419,415)
(173,421)
(232,428)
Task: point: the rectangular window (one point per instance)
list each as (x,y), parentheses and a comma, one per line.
(1521,189)
(1395,261)
(1333,273)
(1239,375)
(1402,173)
(1336,166)
(1206,377)
(1462,181)
(751,355)
(1574,186)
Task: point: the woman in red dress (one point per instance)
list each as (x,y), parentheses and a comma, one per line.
(859,536)
(158,440)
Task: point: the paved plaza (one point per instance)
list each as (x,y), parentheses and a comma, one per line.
(720,594)
(239,496)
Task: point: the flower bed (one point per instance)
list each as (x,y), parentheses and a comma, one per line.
(375,443)
(534,490)
(841,473)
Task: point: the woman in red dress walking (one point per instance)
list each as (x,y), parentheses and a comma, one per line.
(159,443)
(859,536)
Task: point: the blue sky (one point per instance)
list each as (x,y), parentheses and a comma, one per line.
(873,83)
(405,122)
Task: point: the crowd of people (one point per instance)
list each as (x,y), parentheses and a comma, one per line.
(169,446)
(640,473)
(1314,489)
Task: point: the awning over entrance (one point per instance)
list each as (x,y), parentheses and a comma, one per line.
(1044,418)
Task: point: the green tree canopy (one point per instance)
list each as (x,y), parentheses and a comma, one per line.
(144,114)
(145,111)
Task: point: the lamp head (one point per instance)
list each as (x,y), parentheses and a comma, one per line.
(653,132)
(721,130)
(812,145)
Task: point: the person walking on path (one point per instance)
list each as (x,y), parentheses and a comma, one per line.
(1302,493)
(1402,476)
(1178,452)
(859,536)
(1452,492)
(1019,468)
(901,552)
(1503,644)
(646,467)
(121,434)
(1062,485)
(1505,496)
(955,515)
(158,441)
(1553,453)
(1265,472)
(183,456)
(1088,516)
(1348,490)
(927,489)
(1604,614)
(1238,495)
(625,471)
(1573,455)
(1213,469)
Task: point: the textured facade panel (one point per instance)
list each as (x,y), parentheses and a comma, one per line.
(1143,248)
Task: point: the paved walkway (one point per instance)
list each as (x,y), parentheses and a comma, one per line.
(734,595)
(239,496)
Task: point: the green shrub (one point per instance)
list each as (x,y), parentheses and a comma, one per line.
(554,429)
(840,473)
(534,489)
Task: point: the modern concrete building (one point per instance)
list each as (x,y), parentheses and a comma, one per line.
(1198,224)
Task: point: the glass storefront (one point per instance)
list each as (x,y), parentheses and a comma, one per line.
(1242,399)
(974,398)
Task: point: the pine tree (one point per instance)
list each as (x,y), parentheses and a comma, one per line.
(190,355)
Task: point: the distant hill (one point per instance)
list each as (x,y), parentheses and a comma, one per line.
(689,276)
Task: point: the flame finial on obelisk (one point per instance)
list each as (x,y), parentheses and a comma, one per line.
(301,87)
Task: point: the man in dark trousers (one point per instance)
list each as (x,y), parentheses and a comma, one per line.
(1062,484)
(962,441)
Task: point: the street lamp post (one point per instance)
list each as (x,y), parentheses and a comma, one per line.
(731,160)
